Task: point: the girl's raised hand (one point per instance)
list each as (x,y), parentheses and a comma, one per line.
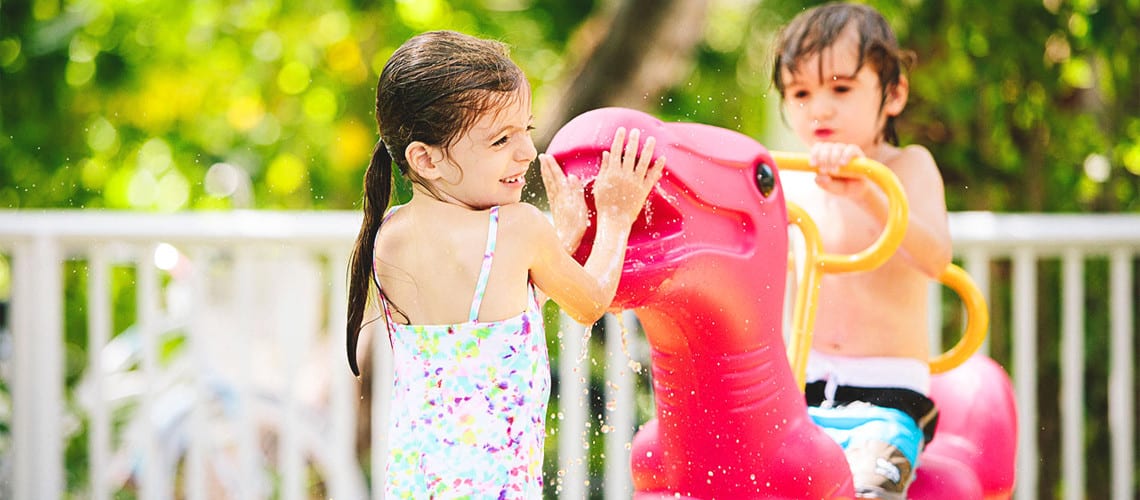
(567,202)
(626,177)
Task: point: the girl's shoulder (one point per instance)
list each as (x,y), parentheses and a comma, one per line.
(526,230)
(522,217)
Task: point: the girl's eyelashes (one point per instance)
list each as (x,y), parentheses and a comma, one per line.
(506,138)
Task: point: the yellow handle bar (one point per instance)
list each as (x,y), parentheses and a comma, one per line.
(807,295)
(977,320)
(897,216)
(818,262)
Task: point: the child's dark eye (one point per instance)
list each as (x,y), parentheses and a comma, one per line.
(800,94)
(842,89)
(502,140)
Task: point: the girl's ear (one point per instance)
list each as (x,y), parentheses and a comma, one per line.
(896,97)
(419,157)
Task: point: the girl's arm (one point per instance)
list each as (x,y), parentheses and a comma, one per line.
(567,199)
(620,189)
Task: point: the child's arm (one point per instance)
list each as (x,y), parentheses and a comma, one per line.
(623,182)
(567,199)
(927,242)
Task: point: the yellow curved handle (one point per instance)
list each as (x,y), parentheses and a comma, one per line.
(977,320)
(807,294)
(897,212)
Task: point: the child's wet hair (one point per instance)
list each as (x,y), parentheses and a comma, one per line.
(817,29)
(432,90)
(437,85)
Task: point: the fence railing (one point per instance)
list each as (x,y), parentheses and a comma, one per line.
(201,356)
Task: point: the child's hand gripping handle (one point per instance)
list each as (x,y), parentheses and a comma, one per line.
(898,213)
(817,262)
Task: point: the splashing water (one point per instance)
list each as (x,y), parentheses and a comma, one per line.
(585,345)
(633,364)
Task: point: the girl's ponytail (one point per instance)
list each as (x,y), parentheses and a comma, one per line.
(377,192)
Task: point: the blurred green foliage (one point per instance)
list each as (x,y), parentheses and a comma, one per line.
(129,104)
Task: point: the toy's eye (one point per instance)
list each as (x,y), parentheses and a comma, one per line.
(765,179)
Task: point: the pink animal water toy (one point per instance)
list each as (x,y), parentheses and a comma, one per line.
(705,273)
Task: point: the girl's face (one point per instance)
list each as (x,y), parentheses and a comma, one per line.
(832,102)
(487,165)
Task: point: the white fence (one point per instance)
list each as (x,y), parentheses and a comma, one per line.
(208,358)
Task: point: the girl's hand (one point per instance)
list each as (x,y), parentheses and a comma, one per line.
(626,177)
(828,158)
(567,199)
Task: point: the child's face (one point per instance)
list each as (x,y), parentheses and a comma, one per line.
(487,165)
(837,104)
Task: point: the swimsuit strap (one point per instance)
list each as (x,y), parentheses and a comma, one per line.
(485,272)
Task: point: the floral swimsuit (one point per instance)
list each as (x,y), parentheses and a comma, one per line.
(469,403)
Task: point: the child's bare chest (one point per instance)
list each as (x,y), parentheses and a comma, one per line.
(843,226)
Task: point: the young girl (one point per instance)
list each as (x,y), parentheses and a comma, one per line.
(838,68)
(457,267)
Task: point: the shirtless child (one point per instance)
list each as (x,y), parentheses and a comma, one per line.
(839,72)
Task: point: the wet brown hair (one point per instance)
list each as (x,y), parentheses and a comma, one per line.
(432,90)
(817,29)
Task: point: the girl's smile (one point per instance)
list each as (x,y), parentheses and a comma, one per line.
(517,181)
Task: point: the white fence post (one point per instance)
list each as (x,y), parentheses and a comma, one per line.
(1025,370)
(155,478)
(1121,406)
(620,407)
(241,285)
(342,387)
(1072,373)
(573,404)
(37,391)
(98,334)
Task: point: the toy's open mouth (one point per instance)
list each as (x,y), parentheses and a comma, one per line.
(654,232)
(717,203)
(711,211)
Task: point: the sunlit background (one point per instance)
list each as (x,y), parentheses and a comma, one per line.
(168,106)
(211,106)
